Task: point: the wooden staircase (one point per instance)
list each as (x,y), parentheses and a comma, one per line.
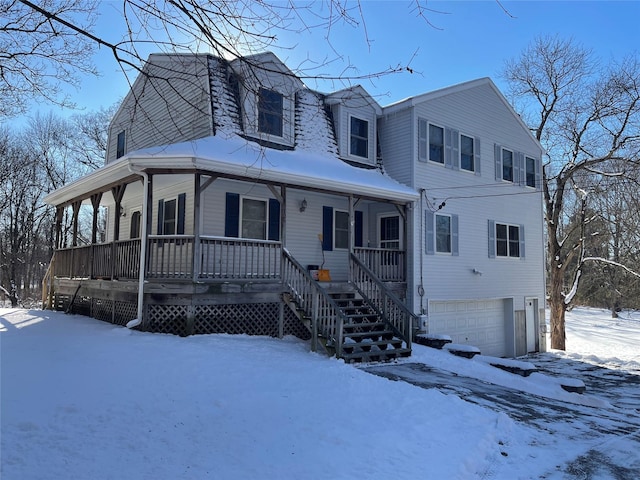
(366,336)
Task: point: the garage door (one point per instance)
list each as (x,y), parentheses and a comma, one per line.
(471,322)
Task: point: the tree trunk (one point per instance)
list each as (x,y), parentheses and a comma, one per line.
(557,308)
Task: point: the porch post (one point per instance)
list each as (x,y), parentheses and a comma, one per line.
(59,215)
(352,236)
(118,193)
(74,220)
(95,203)
(196,227)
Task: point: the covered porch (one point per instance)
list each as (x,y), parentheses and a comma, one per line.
(197,248)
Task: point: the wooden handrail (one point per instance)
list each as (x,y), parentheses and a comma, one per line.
(376,293)
(326,317)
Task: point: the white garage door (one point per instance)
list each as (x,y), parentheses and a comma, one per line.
(479,323)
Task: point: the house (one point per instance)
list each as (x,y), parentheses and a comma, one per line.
(479,269)
(238,200)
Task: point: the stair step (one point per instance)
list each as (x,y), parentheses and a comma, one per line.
(377,356)
(360,317)
(364,325)
(367,346)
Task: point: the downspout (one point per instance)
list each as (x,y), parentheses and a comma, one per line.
(143,246)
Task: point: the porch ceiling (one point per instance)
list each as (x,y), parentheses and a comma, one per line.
(238,158)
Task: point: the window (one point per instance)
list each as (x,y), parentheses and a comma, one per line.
(341,229)
(359,135)
(390,232)
(171,216)
(436,144)
(443,234)
(134,229)
(121,144)
(467,153)
(270,112)
(251,218)
(507,165)
(530,166)
(254,219)
(507,241)
(335,228)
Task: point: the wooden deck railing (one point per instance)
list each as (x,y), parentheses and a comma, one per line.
(327,319)
(388,264)
(231,258)
(378,295)
(172,257)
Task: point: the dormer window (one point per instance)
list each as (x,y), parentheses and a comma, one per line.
(270,112)
(359,137)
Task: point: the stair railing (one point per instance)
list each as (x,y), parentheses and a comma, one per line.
(327,319)
(47,285)
(375,292)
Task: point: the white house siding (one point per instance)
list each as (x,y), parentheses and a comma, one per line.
(396,131)
(162,111)
(475,199)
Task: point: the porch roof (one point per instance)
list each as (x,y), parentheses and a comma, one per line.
(237,157)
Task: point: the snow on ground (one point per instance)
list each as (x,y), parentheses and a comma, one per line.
(83,399)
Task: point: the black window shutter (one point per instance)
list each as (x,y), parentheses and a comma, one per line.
(358,228)
(327,228)
(274,220)
(160,226)
(232,215)
(181,213)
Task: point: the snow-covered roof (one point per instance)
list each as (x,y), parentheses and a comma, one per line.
(235,156)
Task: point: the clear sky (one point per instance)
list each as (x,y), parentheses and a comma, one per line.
(469,39)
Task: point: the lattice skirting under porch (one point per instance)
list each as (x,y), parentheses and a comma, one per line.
(250,318)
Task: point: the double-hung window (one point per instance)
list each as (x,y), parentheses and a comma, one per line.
(467,153)
(121,144)
(270,112)
(254,218)
(171,216)
(506,240)
(251,217)
(359,137)
(507,165)
(441,233)
(436,143)
(341,229)
(530,171)
(134,228)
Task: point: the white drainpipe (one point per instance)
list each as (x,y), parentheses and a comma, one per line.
(143,247)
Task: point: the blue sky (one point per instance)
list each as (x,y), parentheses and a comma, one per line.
(470,39)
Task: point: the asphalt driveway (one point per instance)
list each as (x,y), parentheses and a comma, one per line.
(575,422)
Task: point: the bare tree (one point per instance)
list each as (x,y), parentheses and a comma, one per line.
(587,116)
(37,55)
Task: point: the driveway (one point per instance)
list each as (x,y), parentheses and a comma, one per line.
(598,426)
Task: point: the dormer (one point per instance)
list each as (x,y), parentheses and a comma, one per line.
(267,91)
(354,114)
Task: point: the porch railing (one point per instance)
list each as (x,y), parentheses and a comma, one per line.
(327,319)
(388,264)
(232,258)
(378,295)
(172,257)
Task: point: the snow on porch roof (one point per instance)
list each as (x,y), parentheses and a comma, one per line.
(235,156)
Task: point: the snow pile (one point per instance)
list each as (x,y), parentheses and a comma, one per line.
(83,399)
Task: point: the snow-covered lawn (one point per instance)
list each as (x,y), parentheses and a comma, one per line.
(83,399)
